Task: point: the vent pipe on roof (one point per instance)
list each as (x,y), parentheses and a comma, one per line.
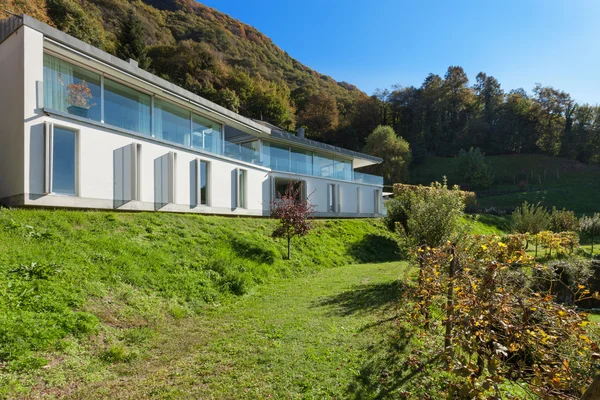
(133,63)
(300,132)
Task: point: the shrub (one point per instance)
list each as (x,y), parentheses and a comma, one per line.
(434,214)
(498,325)
(563,221)
(473,168)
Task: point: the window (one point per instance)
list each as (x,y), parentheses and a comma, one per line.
(343,169)
(71,89)
(302,162)
(332,197)
(323,166)
(171,123)
(377,201)
(277,157)
(62,155)
(203,182)
(206,134)
(126,108)
(241,188)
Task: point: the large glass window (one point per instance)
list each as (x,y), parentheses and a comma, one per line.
(63,161)
(343,169)
(206,134)
(323,166)
(126,108)
(277,157)
(301,162)
(171,123)
(203,182)
(71,89)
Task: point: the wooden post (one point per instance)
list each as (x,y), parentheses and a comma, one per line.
(593,392)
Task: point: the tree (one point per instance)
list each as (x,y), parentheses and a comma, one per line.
(563,221)
(71,17)
(553,107)
(294,214)
(394,150)
(532,219)
(320,114)
(473,168)
(131,40)
(590,225)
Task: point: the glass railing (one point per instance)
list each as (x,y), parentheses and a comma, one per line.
(367,178)
(239,152)
(297,166)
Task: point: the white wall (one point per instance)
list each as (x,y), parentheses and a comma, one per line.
(101,152)
(12,114)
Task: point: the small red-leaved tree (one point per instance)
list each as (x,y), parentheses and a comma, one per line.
(293,212)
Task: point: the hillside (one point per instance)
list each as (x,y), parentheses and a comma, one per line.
(215,56)
(66,275)
(553,181)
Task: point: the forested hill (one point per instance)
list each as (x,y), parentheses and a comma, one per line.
(236,66)
(217,57)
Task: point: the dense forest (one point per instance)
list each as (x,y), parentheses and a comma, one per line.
(234,65)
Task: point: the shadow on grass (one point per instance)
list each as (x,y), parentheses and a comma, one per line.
(254,251)
(392,370)
(364,298)
(375,248)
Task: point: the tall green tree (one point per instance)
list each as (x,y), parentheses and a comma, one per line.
(131,40)
(394,150)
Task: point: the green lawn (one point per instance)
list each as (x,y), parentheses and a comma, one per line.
(551,180)
(96,287)
(303,338)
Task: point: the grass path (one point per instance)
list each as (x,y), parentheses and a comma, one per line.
(298,338)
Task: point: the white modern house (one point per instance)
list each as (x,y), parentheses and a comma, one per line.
(81,128)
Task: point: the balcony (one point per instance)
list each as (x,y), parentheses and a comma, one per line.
(305,165)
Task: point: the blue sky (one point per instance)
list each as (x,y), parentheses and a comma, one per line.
(375,44)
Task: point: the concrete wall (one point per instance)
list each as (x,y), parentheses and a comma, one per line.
(12,64)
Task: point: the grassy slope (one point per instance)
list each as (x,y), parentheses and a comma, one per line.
(302,338)
(577,186)
(66,276)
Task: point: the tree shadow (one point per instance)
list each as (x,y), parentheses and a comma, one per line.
(375,248)
(364,298)
(253,251)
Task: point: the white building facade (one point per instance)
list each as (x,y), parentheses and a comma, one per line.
(80,128)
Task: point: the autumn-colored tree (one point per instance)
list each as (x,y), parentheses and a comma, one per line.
(320,114)
(293,212)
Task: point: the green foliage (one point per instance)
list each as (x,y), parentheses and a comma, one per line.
(530,218)
(394,150)
(427,215)
(563,221)
(61,272)
(80,20)
(473,168)
(131,40)
(590,225)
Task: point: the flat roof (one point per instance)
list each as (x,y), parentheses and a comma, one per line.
(9,25)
